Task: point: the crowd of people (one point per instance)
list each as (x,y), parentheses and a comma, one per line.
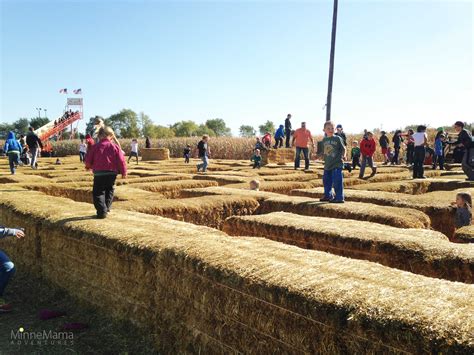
(64,117)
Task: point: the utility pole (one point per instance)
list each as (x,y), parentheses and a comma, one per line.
(39,112)
(331,61)
(45,110)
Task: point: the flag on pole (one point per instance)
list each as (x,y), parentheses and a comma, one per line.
(63,91)
(77,92)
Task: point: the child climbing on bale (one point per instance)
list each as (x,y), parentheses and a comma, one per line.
(255,185)
(106,161)
(187,153)
(133,150)
(334,154)
(257,159)
(367,150)
(463,204)
(7,268)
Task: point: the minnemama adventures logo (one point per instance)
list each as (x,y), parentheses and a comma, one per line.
(45,337)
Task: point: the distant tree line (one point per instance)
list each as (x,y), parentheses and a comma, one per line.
(21,125)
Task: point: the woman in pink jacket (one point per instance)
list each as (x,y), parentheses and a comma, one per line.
(106,161)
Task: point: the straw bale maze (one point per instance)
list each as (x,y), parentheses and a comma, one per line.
(208,266)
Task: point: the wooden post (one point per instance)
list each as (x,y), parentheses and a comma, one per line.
(331,61)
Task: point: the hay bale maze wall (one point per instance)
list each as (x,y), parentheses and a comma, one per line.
(199,290)
(369,276)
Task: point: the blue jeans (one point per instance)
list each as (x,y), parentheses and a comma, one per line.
(13,159)
(203,165)
(333,178)
(7,270)
(298,157)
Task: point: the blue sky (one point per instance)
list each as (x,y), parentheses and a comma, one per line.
(397,62)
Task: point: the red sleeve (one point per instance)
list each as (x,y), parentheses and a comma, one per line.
(362,147)
(90,158)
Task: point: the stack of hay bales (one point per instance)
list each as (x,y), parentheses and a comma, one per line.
(198,290)
(155,154)
(279,156)
(420,251)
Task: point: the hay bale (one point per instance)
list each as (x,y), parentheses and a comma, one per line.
(392,216)
(197,289)
(280,187)
(313,175)
(158,178)
(227,191)
(278,156)
(419,251)
(210,211)
(19,178)
(172,189)
(155,154)
(464,235)
(223,179)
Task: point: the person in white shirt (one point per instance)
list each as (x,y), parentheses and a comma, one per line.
(420,140)
(134,150)
(82,150)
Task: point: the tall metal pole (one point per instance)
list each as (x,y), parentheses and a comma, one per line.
(331,61)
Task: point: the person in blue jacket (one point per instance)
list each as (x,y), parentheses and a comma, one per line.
(438,158)
(13,149)
(7,268)
(279,135)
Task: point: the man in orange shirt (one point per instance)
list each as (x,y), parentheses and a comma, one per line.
(301,137)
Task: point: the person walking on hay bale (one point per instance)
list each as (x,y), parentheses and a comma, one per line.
(367,150)
(106,161)
(288,130)
(203,153)
(384,144)
(13,149)
(420,141)
(334,154)
(133,150)
(257,159)
(279,135)
(301,137)
(7,268)
(397,142)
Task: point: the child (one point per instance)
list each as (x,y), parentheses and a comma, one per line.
(410,147)
(257,159)
(439,150)
(203,153)
(355,154)
(259,145)
(82,150)
(367,149)
(397,142)
(106,161)
(384,143)
(58,162)
(13,149)
(463,215)
(390,154)
(334,154)
(187,153)
(267,140)
(279,135)
(255,185)
(7,268)
(133,150)
(420,140)
(340,133)
(98,124)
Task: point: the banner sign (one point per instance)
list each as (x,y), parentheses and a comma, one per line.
(72,101)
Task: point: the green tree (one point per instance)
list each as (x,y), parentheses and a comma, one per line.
(146,124)
(38,122)
(204,129)
(185,128)
(125,124)
(219,127)
(21,125)
(247,131)
(268,126)
(162,132)
(5,128)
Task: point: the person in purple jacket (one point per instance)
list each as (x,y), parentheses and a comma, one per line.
(7,268)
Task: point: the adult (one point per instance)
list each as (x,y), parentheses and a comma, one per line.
(397,142)
(288,130)
(34,146)
(464,144)
(420,141)
(301,137)
(340,133)
(203,153)
(147,142)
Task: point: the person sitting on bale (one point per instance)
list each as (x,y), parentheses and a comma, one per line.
(106,161)
(259,145)
(257,159)
(7,268)
(255,185)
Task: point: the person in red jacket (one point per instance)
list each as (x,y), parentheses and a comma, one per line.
(367,150)
(106,161)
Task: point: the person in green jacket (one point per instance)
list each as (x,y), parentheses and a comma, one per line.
(257,159)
